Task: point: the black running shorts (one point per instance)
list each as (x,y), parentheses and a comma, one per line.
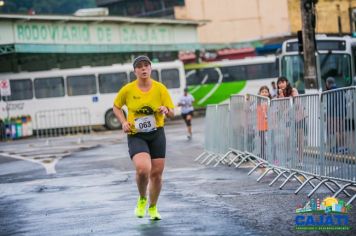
(153,143)
(186,114)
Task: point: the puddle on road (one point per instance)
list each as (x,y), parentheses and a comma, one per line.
(255,192)
(47,161)
(49,189)
(44,159)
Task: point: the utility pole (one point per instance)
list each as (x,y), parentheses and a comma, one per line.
(308,33)
(339,25)
(351,19)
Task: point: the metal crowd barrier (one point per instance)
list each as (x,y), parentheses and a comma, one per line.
(267,130)
(295,127)
(59,122)
(222,124)
(237,131)
(256,126)
(310,136)
(338,145)
(210,134)
(237,119)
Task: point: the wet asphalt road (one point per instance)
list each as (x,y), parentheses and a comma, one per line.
(72,186)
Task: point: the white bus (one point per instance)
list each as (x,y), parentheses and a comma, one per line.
(335,57)
(93,88)
(215,82)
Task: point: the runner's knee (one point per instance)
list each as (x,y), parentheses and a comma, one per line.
(156,177)
(143,172)
(188,122)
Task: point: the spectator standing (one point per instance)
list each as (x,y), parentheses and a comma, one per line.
(274,90)
(336,112)
(262,118)
(285,89)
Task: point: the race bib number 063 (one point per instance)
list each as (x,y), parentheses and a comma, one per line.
(145,124)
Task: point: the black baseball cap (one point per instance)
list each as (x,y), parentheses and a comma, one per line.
(139,59)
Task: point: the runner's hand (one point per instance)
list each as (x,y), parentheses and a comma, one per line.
(280,93)
(163,110)
(126,127)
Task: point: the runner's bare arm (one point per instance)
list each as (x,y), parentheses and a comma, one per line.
(119,113)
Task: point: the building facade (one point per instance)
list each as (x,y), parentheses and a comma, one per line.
(237,20)
(332,16)
(30,43)
(229,21)
(141,8)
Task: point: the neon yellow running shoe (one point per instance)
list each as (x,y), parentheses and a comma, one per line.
(153,212)
(140,210)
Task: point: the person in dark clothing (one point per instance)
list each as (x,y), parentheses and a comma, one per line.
(336,113)
(330,83)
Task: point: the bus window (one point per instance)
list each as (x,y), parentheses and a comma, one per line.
(20,90)
(192,77)
(209,75)
(132,76)
(202,76)
(293,70)
(112,83)
(354,55)
(335,59)
(81,85)
(49,87)
(272,69)
(260,71)
(170,78)
(337,66)
(334,65)
(154,75)
(234,73)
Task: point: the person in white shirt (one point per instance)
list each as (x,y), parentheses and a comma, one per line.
(274,90)
(186,104)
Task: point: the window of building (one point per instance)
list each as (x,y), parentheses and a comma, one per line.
(134,7)
(152,5)
(173,3)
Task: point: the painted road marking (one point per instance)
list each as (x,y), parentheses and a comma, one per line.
(49,163)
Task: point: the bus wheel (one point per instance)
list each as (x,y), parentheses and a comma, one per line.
(111,122)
